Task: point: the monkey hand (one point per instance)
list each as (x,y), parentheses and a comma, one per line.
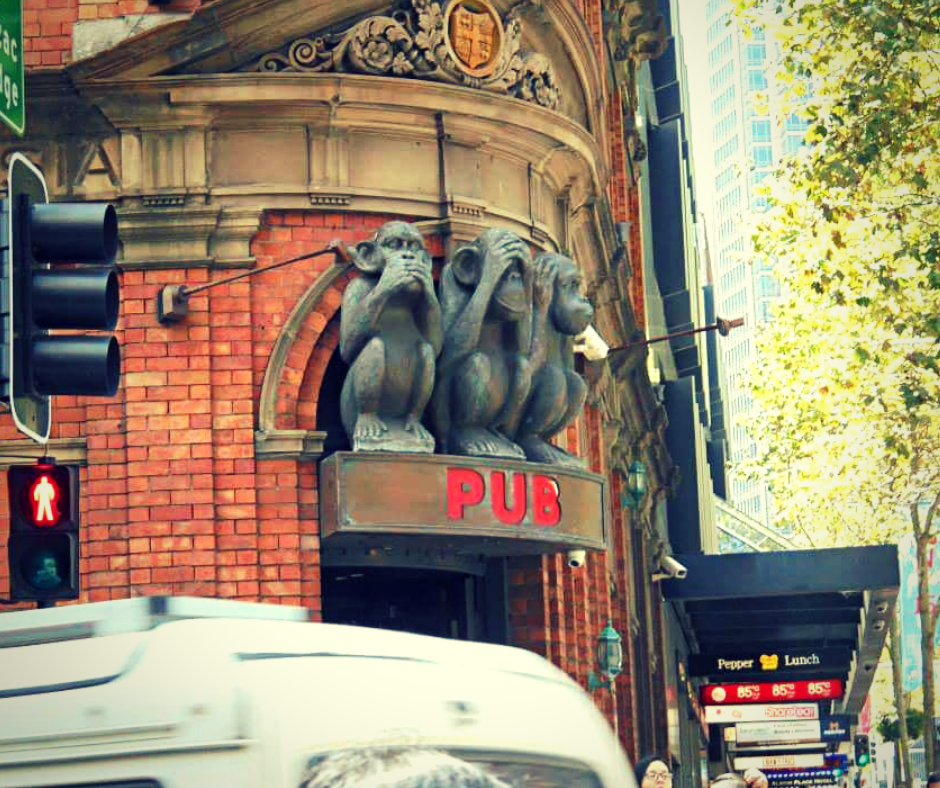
(511,247)
(542,288)
(421,271)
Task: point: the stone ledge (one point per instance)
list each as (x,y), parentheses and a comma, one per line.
(289,444)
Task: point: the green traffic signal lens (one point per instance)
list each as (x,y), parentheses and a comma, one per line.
(45,568)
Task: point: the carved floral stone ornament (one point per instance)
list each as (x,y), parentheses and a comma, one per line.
(464,43)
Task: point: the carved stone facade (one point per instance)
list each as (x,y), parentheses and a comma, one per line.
(421,40)
(256,130)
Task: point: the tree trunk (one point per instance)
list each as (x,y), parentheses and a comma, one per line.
(928,625)
(902,749)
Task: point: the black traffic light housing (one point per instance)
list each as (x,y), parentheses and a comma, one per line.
(862,751)
(43,545)
(42,298)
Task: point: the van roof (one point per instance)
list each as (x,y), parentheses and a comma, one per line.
(103,640)
(72,622)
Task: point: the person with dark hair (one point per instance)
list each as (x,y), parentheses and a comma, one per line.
(395,767)
(933,780)
(655,771)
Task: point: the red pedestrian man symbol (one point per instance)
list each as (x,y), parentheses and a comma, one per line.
(45,494)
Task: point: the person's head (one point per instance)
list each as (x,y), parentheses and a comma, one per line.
(395,767)
(729,780)
(933,780)
(653,771)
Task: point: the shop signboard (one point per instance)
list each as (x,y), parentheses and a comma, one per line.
(777,732)
(793,760)
(835,727)
(772,692)
(501,507)
(760,712)
(768,663)
(804,778)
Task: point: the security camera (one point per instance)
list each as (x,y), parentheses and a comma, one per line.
(589,343)
(577,558)
(673,568)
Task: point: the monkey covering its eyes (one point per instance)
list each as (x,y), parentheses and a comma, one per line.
(483,375)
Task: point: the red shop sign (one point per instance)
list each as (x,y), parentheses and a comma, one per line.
(821,689)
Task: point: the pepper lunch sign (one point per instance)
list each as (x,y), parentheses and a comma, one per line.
(497,507)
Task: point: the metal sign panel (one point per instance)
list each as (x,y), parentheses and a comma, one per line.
(32,413)
(490,506)
(726,715)
(775,692)
(795,660)
(12,87)
(786,761)
(777,732)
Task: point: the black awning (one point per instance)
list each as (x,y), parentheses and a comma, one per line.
(822,613)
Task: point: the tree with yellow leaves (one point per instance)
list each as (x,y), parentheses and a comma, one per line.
(848,382)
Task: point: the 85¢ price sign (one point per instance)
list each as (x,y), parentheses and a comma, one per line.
(772,692)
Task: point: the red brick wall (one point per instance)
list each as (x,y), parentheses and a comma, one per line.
(173,500)
(47,24)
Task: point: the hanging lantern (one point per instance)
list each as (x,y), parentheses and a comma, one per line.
(636,485)
(609,656)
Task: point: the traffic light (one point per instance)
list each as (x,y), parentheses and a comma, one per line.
(42,297)
(862,751)
(43,544)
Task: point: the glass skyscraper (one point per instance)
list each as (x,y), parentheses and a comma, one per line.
(750,134)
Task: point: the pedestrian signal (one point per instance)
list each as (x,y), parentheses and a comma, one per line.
(862,751)
(43,545)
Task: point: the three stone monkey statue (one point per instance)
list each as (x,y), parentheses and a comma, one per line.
(504,383)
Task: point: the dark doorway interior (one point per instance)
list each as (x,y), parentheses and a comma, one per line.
(328,411)
(425,601)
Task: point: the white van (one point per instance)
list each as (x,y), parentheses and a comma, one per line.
(198,693)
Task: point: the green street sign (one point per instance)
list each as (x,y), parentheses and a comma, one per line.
(12,91)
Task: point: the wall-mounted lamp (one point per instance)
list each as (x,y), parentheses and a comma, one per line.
(635,487)
(609,657)
(722,325)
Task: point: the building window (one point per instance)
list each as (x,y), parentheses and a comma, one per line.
(795,123)
(760,131)
(717,28)
(756,80)
(763,156)
(755,54)
(792,144)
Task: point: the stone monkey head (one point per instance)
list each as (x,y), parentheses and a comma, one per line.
(500,262)
(570,311)
(395,247)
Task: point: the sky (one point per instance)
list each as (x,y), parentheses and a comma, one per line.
(692,29)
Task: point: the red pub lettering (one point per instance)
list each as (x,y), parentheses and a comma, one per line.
(467,487)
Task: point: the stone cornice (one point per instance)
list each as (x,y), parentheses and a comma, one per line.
(306,445)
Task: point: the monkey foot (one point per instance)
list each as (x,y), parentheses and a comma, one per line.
(394,435)
(369,427)
(537,450)
(415,427)
(479,442)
